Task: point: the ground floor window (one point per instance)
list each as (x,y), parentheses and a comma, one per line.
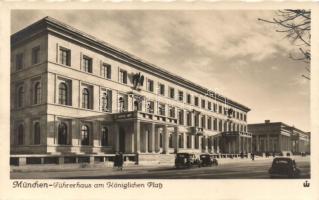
(161,140)
(85,135)
(180,141)
(170,141)
(189,142)
(20,134)
(36,132)
(62,133)
(104,136)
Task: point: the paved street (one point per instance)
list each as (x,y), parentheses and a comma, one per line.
(228,169)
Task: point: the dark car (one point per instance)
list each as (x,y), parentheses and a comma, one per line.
(284,167)
(186,160)
(207,160)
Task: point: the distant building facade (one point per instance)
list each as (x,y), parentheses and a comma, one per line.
(278,137)
(72,94)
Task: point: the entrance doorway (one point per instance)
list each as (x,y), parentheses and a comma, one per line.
(122,140)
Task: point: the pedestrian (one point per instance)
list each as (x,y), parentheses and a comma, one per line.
(116,160)
(252,156)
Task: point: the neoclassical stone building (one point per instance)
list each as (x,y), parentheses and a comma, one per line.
(279,137)
(72,94)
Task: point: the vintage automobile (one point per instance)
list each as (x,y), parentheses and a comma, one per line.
(207,160)
(186,160)
(284,167)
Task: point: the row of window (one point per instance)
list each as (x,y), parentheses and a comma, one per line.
(87,62)
(106,71)
(20,57)
(63,135)
(36,92)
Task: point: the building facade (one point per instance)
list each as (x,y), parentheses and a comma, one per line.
(74,94)
(278,137)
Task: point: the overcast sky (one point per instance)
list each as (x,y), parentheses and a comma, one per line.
(228,51)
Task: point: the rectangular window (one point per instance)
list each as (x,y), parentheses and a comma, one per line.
(241,116)
(189,99)
(106,71)
(87,64)
(106,100)
(189,118)
(209,105)
(215,107)
(196,101)
(215,124)
(65,56)
(161,109)
(209,123)
(150,107)
(150,85)
(245,117)
(203,121)
(181,117)
(19,61)
(180,95)
(36,55)
(220,110)
(203,103)
(172,112)
(189,142)
(123,76)
(172,93)
(161,88)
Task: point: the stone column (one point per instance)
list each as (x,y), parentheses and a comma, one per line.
(212,144)
(257,143)
(165,140)
(152,138)
(239,144)
(217,144)
(157,139)
(137,127)
(116,137)
(176,139)
(146,132)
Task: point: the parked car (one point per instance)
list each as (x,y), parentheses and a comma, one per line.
(186,160)
(284,167)
(207,160)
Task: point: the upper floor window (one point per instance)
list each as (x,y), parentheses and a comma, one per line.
(63,94)
(104,136)
(203,119)
(106,101)
(196,101)
(180,95)
(209,123)
(215,107)
(209,105)
(189,99)
(189,118)
(35,55)
(86,103)
(87,64)
(241,116)
(220,110)
(150,85)
(150,107)
(19,61)
(20,97)
(137,104)
(62,134)
(122,103)
(36,133)
(181,117)
(37,93)
(65,56)
(171,111)
(215,124)
(161,89)
(172,93)
(123,76)
(106,71)
(161,109)
(85,135)
(245,117)
(203,103)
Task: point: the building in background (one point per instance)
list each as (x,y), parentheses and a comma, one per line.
(279,137)
(73,95)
